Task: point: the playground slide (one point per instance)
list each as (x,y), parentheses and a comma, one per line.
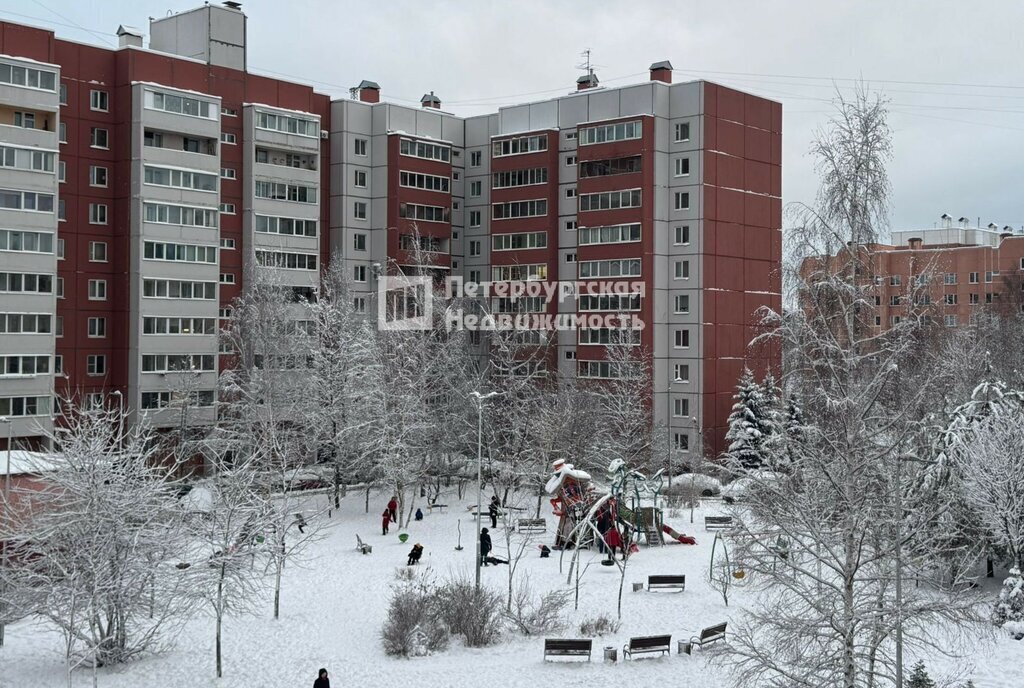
(626,516)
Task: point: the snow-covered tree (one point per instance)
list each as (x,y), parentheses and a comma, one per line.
(1008,613)
(919,677)
(752,423)
(96,545)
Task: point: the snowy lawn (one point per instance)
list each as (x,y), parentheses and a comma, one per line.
(334,605)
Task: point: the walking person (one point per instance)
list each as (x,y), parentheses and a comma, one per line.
(492,511)
(385,521)
(322,681)
(485,545)
(393,508)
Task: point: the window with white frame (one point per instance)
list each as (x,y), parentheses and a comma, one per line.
(519,241)
(682,269)
(290,226)
(682,167)
(62,172)
(682,235)
(359,147)
(682,130)
(681,441)
(97,214)
(228,173)
(97,251)
(570,161)
(681,407)
(519,273)
(519,145)
(97,327)
(682,200)
(99,101)
(571,225)
(24,241)
(475,158)
(62,97)
(424,150)
(610,200)
(227,244)
(620,267)
(179,104)
(474,218)
(604,133)
(97,290)
(96,364)
(359,273)
(609,234)
(359,210)
(681,372)
(359,179)
(154,288)
(97,176)
(227,208)
(476,188)
(287,124)
(682,303)
(682,339)
(228,138)
(99,138)
(227,278)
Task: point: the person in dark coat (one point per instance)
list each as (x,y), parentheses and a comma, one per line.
(415,554)
(419,514)
(385,521)
(322,681)
(492,511)
(393,508)
(485,545)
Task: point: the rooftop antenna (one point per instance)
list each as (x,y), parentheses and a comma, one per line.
(586,65)
(352,92)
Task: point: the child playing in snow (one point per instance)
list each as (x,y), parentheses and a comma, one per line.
(415,554)
(385,521)
(419,514)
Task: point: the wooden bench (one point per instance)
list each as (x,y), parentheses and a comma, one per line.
(717,522)
(563,647)
(531,525)
(666,582)
(362,546)
(439,507)
(647,644)
(709,635)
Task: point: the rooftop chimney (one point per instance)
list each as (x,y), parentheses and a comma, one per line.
(964,222)
(369,91)
(429,100)
(662,71)
(129,35)
(914,243)
(993,226)
(587,81)
(947,220)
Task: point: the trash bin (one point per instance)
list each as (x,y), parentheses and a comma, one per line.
(637,587)
(611,654)
(684,647)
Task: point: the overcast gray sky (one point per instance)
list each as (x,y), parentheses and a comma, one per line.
(951,69)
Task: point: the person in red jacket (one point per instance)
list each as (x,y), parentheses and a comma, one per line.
(393,508)
(385,521)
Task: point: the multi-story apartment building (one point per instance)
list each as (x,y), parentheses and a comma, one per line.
(186,173)
(949,273)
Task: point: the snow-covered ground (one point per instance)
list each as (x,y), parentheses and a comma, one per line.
(334,605)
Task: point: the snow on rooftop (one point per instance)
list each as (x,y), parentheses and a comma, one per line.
(25,462)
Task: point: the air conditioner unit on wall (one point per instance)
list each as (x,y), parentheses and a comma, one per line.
(324,133)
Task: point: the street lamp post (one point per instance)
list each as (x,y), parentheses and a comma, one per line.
(7,502)
(479,399)
(120,418)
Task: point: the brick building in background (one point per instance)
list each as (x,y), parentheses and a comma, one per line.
(950,273)
(183,173)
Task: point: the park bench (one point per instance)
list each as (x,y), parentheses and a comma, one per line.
(709,635)
(439,507)
(531,525)
(717,522)
(666,582)
(647,644)
(562,647)
(362,546)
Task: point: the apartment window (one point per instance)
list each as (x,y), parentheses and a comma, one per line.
(359,273)
(178,289)
(570,161)
(455,234)
(25,120)
(894,300)
(97,327)
(609,302)
(228,173)
(682,269)
(98,251)
(287,124)
(228,138)
(973,279)
(180,105)
(682,200)
(430,182)
(58,364)
(229,112)
(878,321)
(295,193)
(360,146)
(894,320)
(681,441)
(989,275)
(224,313)
(227,244)
(950,320)
(610,234)
(621,131)
(360,179)
(950,299)
(99,138)
(62,132)
(1022,263)
(682,167)
(623,267)
(682,339)
(96,365)
(227,208)
(359,304)
(895,281)
(60,249)
(227,278)
(682,131)
(570,192)
(989,297)
(26,241)
(475,158)
(474,218)
(523,177)
(950,278)
(610,200)
(682,235)
(570,257)
(97,176)
(571,225)
(359,242)
(682,303)
(474,276)
(474,248)
(424,150)
(972,299)
(519,145)
(681,407)
(99,101)
(62,172)
(97,214)
(268,224)
(97,290)
(359,210)
(681,372)
(60,287)
(519,273)
(63,89)
(476,188)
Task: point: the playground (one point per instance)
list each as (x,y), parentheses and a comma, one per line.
(334,605)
